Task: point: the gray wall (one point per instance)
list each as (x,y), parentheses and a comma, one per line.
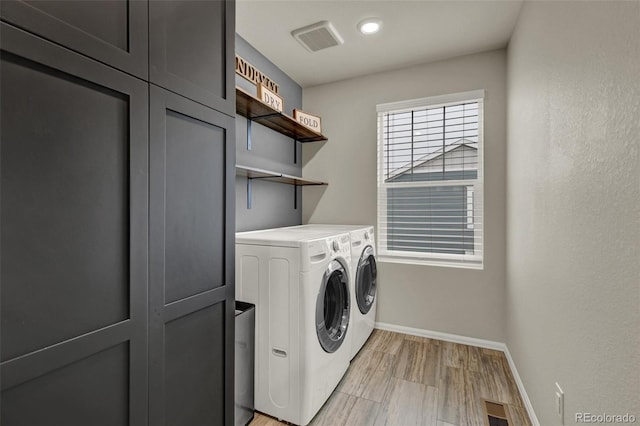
(465,302)
(273,203)
(573,264)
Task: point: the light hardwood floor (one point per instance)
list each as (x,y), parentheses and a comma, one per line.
(402,380)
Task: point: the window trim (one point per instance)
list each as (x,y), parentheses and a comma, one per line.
(432,101)
(475,261)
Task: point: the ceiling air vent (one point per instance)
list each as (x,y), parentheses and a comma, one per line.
(317,36)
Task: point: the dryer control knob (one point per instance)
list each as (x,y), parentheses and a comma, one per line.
(336,246)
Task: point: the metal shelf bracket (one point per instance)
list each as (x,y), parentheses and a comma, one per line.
(249,134)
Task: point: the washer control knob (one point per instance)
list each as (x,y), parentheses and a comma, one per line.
(336,245)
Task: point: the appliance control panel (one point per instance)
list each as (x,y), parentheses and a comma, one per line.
(332,246)
(340,244)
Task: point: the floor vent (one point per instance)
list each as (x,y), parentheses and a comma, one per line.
(495,414)
(318,36)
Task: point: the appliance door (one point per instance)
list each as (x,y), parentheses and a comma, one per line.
(332,307)
(366,278)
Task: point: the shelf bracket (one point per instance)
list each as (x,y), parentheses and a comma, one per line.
(249,192)
(295,197)
(266,116)
(249,135)
(295,150)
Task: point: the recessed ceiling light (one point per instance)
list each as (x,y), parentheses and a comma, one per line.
(369,26)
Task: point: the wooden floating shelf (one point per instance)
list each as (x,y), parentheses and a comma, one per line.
(251,107)
(253,173)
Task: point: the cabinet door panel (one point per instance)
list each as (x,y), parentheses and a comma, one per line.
(74,212)
(191,50)
(191,295)
(111,31)
(68,396)
(195,186)
(55,199)
(194,360)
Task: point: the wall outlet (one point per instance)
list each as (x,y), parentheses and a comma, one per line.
(560,403)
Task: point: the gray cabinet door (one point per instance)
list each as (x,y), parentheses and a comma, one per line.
(191,50)
(114,32)
(191,294)
(74,235)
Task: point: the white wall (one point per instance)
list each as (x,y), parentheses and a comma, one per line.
(573,268)
(459,301)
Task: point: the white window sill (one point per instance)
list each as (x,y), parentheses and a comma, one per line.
(430,262)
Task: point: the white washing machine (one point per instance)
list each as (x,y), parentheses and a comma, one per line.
(299,281)
(364,276)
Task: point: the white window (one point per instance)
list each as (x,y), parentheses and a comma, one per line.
(430,180)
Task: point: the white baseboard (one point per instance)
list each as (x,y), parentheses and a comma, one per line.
(523,392)
(454,338)
(472,341)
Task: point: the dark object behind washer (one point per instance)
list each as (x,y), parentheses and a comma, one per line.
(245,358)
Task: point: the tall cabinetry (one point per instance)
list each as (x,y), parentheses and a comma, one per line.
(116,198)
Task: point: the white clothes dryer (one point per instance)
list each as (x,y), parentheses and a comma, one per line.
(364,279)
(299,281)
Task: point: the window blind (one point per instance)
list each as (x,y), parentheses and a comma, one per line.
(430,180)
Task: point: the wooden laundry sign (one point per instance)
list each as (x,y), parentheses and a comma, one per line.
(254,75)
(310,121)
(270,98)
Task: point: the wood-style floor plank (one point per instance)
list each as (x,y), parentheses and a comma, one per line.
(377,377)
(474,359)
(411,361)
(454,355)
(357,372)
(475,389)
(433,367)
(260,419)
(492,352)
(421,339)
(419,361)
(385,341)
(518,415)
(429,415)
(364,413)
(399,380)
(502,384)
(409,403)
(511,382)
(451,395)
(335,411)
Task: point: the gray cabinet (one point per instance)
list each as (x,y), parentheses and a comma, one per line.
(191,50)
(117,213)
(74,238)
(192,154)
(114,32)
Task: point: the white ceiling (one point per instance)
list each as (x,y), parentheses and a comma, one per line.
(413,32)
